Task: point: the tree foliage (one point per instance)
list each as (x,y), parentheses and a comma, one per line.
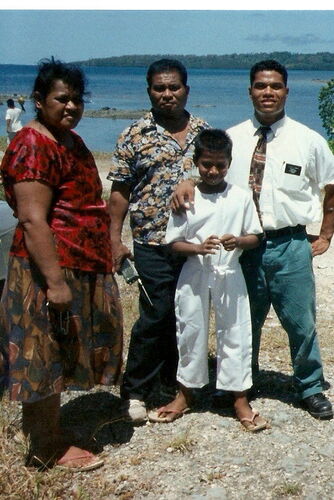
(319,61)
(326,109)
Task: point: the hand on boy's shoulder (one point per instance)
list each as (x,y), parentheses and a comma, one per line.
(183,196)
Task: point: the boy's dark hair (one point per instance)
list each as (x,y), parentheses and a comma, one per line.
(213,140)
(10,103)
(166,65)
(268,65)
(50,70)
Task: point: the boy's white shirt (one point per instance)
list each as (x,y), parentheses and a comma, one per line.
(229,212)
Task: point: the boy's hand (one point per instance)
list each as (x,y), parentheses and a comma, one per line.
(210,245)
(229,242)
(183,196)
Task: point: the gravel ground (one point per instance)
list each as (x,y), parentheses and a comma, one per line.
(206,453)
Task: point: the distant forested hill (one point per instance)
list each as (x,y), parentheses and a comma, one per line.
(318,61)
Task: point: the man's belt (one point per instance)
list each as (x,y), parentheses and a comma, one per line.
(284,231)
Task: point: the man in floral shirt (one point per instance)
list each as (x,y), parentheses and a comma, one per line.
(150,159)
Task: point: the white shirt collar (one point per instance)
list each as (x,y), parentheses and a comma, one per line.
(275,127)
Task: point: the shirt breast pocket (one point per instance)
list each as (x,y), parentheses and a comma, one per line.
(292,177)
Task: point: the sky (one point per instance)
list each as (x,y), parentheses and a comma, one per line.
(71,34)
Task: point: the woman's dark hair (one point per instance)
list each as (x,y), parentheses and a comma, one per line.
(50,70)
(213,140)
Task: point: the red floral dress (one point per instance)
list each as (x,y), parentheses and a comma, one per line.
(78,215)
(42,353)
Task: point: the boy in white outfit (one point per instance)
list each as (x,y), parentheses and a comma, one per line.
(212,234)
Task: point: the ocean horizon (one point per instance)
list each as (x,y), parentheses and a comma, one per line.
(219,96)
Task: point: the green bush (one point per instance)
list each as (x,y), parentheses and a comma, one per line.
(331,144)
(326,109)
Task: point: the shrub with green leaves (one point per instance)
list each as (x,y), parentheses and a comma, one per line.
(326,110)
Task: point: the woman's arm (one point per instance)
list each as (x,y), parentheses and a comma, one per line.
(118,208)
(33,206)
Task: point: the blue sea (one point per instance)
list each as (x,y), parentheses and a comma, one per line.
(219,96)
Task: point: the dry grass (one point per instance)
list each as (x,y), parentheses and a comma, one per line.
(101,155)
(288,490)
(181,443)
(18,482)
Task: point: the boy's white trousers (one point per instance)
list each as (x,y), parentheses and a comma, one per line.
(224,287)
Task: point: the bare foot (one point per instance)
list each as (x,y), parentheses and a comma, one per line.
(254,422)
(178,405)
(249,418)
(175,409)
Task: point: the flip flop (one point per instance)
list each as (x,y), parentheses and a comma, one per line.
(154,415)
(250,425)
(94,462)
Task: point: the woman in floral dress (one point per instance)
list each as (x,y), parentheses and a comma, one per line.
(60,311)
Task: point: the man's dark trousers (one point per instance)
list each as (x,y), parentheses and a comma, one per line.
(153,348)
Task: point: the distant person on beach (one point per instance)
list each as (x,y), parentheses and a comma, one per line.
(13,122)
(222,223)
(21,102)
(286,178)
(151,157)
(61,317)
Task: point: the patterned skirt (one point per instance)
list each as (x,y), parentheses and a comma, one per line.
(43,351)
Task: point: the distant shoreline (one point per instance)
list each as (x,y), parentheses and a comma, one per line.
(127,114)
(320,61)
(113,113)
(323,61)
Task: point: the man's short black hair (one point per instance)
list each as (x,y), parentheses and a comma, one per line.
(166,65)
(213,140)
(271,65)
(10,103)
